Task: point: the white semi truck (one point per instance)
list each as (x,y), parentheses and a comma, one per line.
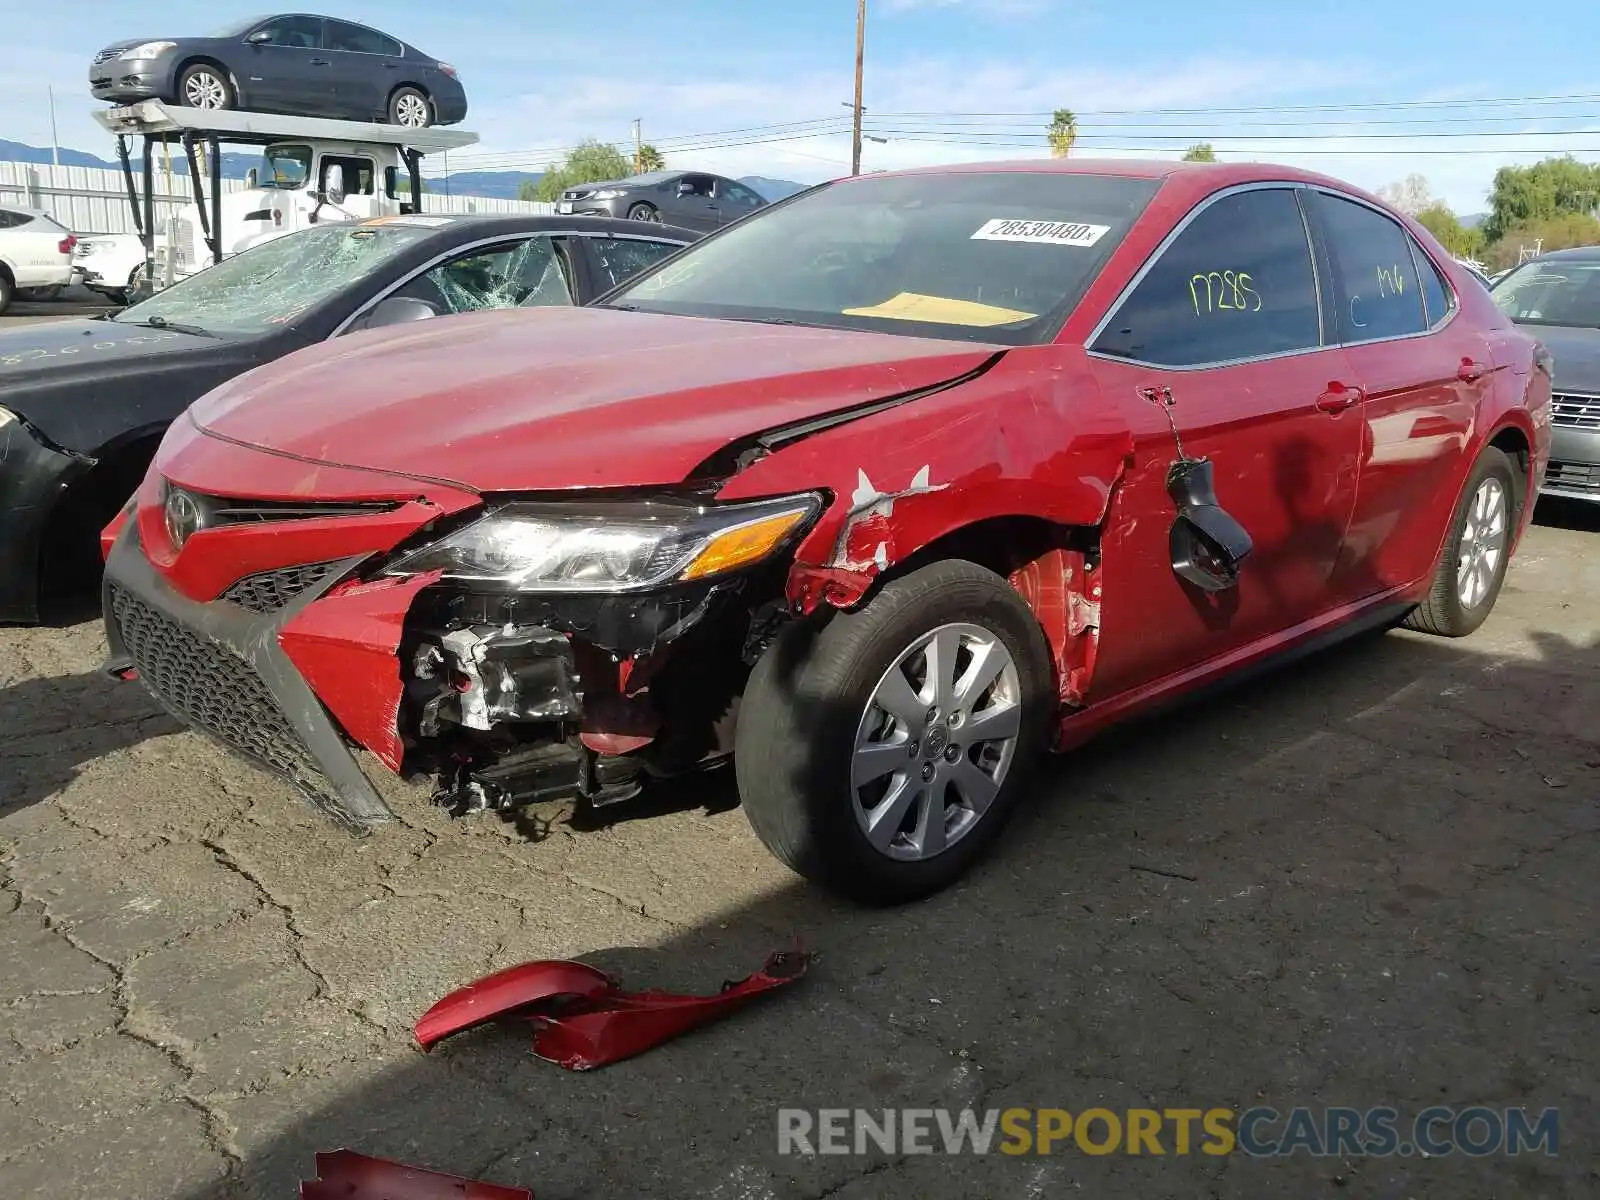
(311,171)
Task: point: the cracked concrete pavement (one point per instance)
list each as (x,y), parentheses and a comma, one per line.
(1380,888)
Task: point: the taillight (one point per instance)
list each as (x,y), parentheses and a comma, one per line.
(448,70)
(67,243)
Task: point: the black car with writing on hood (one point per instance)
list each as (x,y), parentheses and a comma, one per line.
(84,403)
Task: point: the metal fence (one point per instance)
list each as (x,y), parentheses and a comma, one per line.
(95,200)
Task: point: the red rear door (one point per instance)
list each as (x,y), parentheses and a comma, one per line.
(1423,373)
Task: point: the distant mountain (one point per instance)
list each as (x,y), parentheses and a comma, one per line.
(495,184)
(1473,220)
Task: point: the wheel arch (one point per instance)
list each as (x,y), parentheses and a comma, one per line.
(204,60)
(89,501)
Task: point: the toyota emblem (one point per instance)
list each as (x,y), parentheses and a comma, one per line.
(183,517)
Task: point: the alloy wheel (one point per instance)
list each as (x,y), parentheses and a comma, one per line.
(412,111)
(202,89)
(933,748)
(1483,543)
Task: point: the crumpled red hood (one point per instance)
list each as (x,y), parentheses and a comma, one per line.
(555,398)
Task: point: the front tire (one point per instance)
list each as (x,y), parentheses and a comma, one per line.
(882,754)
(410,108)
(643,212)
(7,292)
(1473,566)
(206,87)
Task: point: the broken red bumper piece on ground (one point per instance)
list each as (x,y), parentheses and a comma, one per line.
(583,1019)
(346,1175)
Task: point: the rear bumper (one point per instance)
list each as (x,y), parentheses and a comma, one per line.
(1574,471)
(220,669)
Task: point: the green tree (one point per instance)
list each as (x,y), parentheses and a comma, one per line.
(650,159)
(590,162)
(1062,133)
(1200,152)
(1547,189)
(1455,237)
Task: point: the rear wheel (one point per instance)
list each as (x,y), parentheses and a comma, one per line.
(7,291)
(204,86)
(882,754)
(643,212)
(410,108)
(1473,566)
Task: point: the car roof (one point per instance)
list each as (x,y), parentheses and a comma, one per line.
(1571,254)
(1220,174)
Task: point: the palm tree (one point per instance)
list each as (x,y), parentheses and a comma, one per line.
(649,159)
(1063,132)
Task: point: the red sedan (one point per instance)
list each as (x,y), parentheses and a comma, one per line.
(882,492)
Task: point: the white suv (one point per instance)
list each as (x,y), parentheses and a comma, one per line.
(35,254)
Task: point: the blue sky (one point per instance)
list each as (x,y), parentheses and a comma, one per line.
(541,76)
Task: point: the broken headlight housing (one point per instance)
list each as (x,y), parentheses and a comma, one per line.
(602,547)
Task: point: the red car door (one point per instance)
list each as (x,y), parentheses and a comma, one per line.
(1227,315)
(1422,373)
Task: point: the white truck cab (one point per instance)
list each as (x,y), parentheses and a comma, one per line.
(311,171)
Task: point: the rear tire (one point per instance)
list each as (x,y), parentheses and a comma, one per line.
(7,292)
(812,724)
(1477,552)
(206,87)
(643,212)
(410,108)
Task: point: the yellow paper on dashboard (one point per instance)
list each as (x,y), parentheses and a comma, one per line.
(940,310)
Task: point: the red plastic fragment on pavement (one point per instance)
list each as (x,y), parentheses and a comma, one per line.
(581,1026)
(346,1175)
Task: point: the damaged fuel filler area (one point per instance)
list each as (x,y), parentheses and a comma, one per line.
(576,652)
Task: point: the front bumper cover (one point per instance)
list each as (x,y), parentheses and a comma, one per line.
(220,669)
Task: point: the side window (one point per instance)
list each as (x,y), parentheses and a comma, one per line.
(10,220)
(359,175)
(1236,283)
(358,39)
(1376,280)
(617,260)
(699,185)
(741,195)
(1437,299)
(529,274)
(304,33)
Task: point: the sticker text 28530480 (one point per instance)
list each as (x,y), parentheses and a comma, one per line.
(1045,233)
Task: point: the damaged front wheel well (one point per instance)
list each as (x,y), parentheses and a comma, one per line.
(1002,544)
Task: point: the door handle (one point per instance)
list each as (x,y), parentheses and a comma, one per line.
(391,66)
(320,62)
(1339,397)
(1470,371)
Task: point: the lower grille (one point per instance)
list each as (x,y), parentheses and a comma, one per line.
(1575,410)
(1573,477)
(210,687)
(271,590)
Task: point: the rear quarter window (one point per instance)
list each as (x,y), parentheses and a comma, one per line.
(1375,278)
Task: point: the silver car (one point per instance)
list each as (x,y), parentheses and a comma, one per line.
(1558,294)
(688,199)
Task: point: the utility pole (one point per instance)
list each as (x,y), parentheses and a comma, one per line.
(861,46)
(55,142)
(638,148)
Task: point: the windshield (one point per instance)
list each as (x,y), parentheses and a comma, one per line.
(997,256)
(1554,292)
(284,167)
(271,284)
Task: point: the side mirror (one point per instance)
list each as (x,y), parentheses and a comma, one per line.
(260,37)
(397,310)
(1206,543)
(333,184)
(251,179)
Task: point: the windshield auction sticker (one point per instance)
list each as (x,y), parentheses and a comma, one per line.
(1044,233)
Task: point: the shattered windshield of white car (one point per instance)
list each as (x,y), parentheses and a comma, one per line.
(271,284)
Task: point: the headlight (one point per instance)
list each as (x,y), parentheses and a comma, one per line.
(6,417)
(147,50)
(610,194)
(623,547)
